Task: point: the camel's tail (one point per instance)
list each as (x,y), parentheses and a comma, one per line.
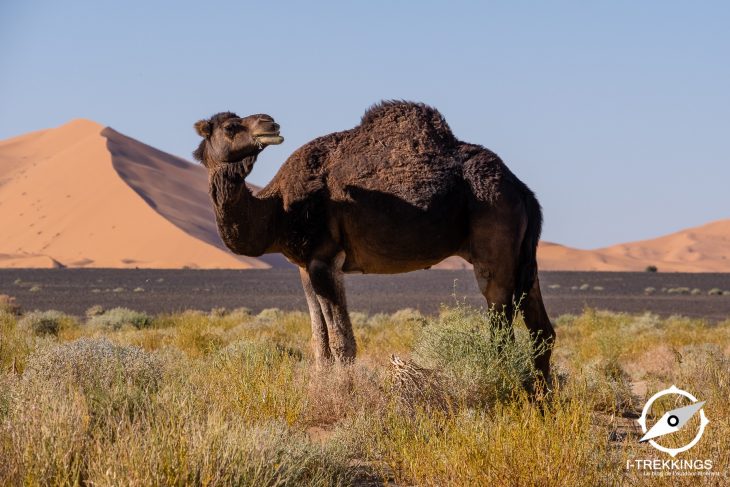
(527,265)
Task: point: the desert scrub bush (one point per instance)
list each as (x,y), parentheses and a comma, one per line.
(516,443)
(219,451)
(254,381)
(715,292)
(95,310)
(476,354)
(608,385)
(382,335)
(49,322)
(678,290)
(270,314)
(15,344)
(341,391)
(291,330)
(112,378)
(8,304)
(43,436)
(116,318)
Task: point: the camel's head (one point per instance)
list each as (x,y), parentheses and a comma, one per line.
(229,138)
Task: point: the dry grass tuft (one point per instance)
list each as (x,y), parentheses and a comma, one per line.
(8,305)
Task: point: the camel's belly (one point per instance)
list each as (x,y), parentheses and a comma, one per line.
(387,236)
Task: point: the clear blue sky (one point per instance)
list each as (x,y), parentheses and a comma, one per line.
(616,113)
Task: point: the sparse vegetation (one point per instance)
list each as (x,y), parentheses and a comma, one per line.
(678,290)
(95,310)
(651,268)
(116,318)
(231,398)
(46,322)
(8,304)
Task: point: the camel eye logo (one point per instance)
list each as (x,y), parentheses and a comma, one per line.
(672,421)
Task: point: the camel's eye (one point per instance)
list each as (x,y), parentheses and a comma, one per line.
(232,128)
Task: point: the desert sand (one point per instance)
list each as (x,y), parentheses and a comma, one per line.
(700,249)
(82,195)
(85,195)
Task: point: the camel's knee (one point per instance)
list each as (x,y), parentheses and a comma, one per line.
(323,280)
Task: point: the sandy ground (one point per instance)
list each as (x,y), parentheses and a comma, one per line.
(74,290)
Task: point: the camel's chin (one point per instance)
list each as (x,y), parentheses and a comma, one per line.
(270,139)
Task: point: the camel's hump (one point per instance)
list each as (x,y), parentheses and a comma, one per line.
(406,116)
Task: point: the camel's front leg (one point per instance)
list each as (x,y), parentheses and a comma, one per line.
(320,337)
(327,283)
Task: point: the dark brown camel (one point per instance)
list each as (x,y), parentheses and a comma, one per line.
(395,194)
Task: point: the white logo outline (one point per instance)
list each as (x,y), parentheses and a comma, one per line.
(672,390)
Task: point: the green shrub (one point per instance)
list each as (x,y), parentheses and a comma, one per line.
(115,318)
(475,353)
(46,322)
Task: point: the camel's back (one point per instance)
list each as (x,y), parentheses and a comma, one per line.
(402,149)
(405,150)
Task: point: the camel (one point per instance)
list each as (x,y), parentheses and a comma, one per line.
(397,193)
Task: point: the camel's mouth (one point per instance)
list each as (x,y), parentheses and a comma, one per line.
(271,138)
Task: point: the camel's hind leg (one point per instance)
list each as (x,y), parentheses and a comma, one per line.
(493,253)
(320,337)
(541,330)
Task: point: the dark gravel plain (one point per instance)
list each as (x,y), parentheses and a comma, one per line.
(158,291)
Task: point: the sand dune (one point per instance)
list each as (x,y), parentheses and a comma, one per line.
(700,249)
(82,195)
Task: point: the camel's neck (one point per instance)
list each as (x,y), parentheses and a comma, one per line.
(247,224)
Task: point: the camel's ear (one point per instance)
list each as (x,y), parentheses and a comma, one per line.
(203,128)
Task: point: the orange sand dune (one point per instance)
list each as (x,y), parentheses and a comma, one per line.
(700,249)
(82,195)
